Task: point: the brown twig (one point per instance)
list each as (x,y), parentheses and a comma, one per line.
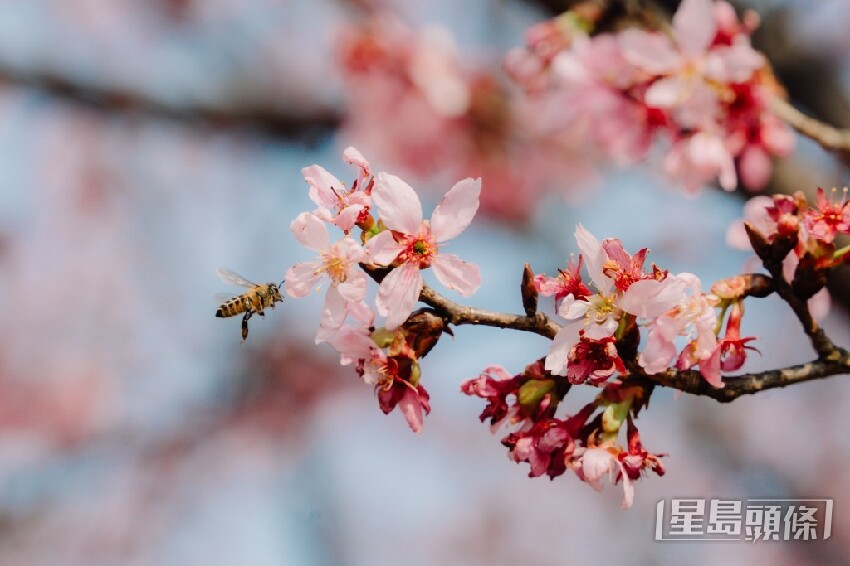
(459,315)
(826,136)
(691,382)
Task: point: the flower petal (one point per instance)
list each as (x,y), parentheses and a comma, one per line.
(352,156)
(652,52)
(333,311)
(572,309)
(398,293)
(559,351)
(649,298)
(301,277)
(411,407)
(456,210)
(323,186)
(383,249)
(400,207)
(659,351)
(594,257)
(694,26)
(354,343)
(668,92)
(755,167)
(733,64)
(454,273)
(348,217)
(310,231)
(354,287)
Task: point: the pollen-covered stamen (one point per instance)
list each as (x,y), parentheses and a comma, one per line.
(834,213)
(335,266)
(601,307)
(419,249)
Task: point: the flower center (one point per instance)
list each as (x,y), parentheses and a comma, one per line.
(601,307)
(336,268)
(419,249)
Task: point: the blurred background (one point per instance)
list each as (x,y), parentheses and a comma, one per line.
(143,144)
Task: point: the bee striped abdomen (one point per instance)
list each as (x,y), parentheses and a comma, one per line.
(232,307)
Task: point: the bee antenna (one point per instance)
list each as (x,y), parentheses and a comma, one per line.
(281,283)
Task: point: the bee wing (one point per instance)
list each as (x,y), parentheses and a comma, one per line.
(229,277)
(221,298)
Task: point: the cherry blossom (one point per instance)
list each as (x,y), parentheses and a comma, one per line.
(337,204)
(389,372)
(688,64)
(411,244)
(338,263)
(829,219)
(598,316)
(695,317)
(591,464)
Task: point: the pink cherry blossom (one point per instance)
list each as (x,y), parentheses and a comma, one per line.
(337,204)
(775,216)
(695,317)
(568,282)
(412,400)
(688,63)
(411,244)
(638,459)
(829,219)
(593,463)
(696,159)
(597,316)
(590,100)
(337,263)
(355,344)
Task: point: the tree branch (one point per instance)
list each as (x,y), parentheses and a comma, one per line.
(690,381)
(826,136)
(275,122)
(458,315)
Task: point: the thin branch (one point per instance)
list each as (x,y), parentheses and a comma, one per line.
(273,121)
(690,381)
(459,315)
(826,136)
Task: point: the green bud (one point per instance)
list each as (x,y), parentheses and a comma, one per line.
(382,337)
(532,392)
(415,373)
(615,415)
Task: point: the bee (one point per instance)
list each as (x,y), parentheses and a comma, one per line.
(253,301)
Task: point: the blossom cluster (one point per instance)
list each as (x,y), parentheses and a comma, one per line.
(383,236)
(787,229)
(585,443)
(599,345)
(393,246)
(413,102)
(702,86)
(604,317)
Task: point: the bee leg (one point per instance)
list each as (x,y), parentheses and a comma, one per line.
(261,313)
(245,325)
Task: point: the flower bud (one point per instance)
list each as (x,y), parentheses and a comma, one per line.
(809,277)
(742,286)
(529,291)
(423,330)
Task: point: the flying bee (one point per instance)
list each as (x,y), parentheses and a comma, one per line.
(257,298)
